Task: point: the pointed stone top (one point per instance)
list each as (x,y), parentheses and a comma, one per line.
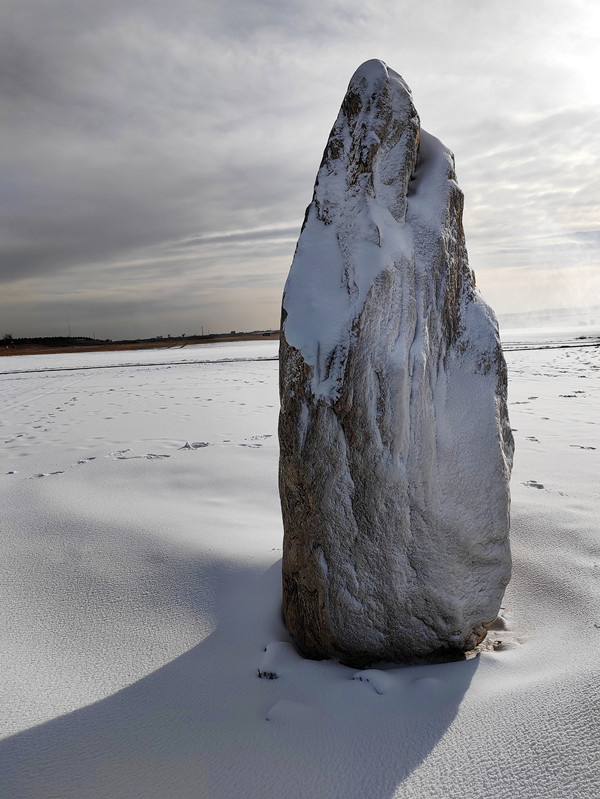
(355,225)
(374,69)
(373,74)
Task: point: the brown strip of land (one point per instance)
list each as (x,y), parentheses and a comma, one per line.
(167,343)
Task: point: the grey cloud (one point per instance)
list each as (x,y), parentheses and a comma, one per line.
(124,149)
(588,238)
(136,132)
(290,232)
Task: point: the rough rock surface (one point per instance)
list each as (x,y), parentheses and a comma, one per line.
(395,443)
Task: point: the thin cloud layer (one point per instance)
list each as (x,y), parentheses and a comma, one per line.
(157,159)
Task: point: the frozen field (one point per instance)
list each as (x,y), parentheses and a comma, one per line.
(140,546)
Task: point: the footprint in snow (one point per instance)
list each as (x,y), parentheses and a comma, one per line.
(120,454)
(255,440)
(533,484)
(579,446)
(195,445)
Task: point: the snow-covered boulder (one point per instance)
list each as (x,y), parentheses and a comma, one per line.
(395,442)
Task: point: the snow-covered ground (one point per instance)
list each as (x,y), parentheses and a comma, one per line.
(140,545)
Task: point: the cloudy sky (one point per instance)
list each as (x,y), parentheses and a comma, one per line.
(156,157)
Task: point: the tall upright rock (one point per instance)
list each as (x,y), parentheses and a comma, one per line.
(395,443)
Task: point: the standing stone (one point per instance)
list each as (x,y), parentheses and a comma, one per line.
(395,442)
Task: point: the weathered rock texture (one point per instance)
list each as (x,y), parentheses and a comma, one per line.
(395,443)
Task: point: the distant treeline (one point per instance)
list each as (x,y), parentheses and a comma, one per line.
(55,342)
(52,341)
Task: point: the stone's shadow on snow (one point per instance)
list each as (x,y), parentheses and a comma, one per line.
(205,726)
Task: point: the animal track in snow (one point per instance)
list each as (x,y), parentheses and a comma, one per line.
(277,657)
(501,635)
(379,681)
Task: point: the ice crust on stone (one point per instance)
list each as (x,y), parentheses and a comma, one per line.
(396,449)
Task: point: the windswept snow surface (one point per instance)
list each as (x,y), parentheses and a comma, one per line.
(140,599)
(160,356)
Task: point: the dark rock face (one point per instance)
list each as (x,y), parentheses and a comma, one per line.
(395,443)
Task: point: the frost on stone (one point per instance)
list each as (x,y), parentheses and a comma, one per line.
(395,444)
